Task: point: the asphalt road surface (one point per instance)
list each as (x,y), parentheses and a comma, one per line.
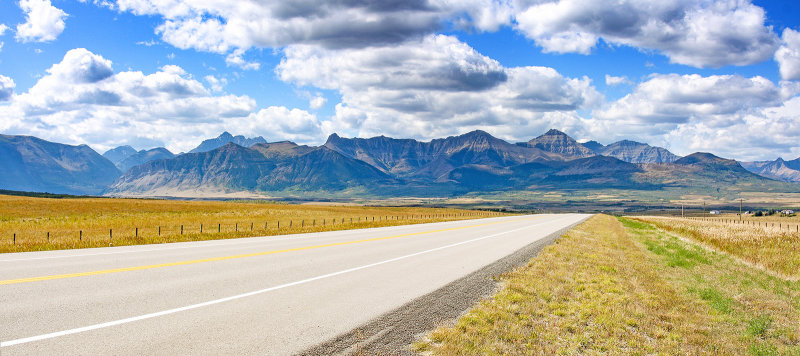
(262,295)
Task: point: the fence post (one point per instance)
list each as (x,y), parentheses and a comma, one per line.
(251,226)
(159,230)
(15,238)
(237,227)
(219,227)
(110,236)
(137,232)
(302,223)
(201,228)
(48,237)
(265,225)
(181,229)
(279,224)
(80,235)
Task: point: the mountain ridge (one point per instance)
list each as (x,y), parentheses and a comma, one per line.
(556,141)
(779,169)
(225,138)
(383,166)
(36,165)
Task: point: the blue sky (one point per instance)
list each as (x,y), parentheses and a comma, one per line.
(718,76)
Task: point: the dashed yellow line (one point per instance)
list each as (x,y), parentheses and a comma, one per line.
(223,258)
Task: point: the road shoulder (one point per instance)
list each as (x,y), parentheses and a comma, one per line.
(393,332)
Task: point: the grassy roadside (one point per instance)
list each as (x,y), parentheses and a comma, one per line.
(626,287)
(34,224)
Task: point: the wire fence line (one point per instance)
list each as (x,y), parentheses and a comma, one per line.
(228,228)
(780,226)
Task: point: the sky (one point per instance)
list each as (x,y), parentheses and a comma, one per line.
(687,75)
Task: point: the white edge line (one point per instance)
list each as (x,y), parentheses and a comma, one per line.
(239,296)
(233,242)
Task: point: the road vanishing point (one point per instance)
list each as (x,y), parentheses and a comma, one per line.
(292,294)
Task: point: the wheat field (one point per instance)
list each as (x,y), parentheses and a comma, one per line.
(33,224)
(773,245)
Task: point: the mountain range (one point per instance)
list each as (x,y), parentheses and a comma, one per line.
(261,167)
(380,166)
(125,157)
(33,164)
(787,171)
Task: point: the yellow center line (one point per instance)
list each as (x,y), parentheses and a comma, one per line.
(181,263)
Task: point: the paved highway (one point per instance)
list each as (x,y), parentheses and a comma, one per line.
(262,295)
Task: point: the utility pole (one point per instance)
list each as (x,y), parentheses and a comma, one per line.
(740,209)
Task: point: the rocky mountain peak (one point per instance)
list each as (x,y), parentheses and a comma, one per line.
(556,141)
(701,158)
(225,138)
(116,155)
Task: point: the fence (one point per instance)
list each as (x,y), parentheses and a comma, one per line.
(781,226)
(167,232)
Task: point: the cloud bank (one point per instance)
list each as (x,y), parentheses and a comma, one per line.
(435,87)
(697,33)
(730,115)
(82,100)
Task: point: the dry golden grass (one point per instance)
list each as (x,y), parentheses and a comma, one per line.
(771,246)
(791,221)
(81,223)
(594,290)
(628,288)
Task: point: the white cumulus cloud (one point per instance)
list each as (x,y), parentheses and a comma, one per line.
(43,21)
(702,33)
(7,86)
(317,102)
(435,87)
(233,27)
(613,80)
(281,123)
(82,100)
(216,84)
(729,115)
(788,55)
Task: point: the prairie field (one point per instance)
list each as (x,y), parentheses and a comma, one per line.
(32,224)
(770,244)
(625,286)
